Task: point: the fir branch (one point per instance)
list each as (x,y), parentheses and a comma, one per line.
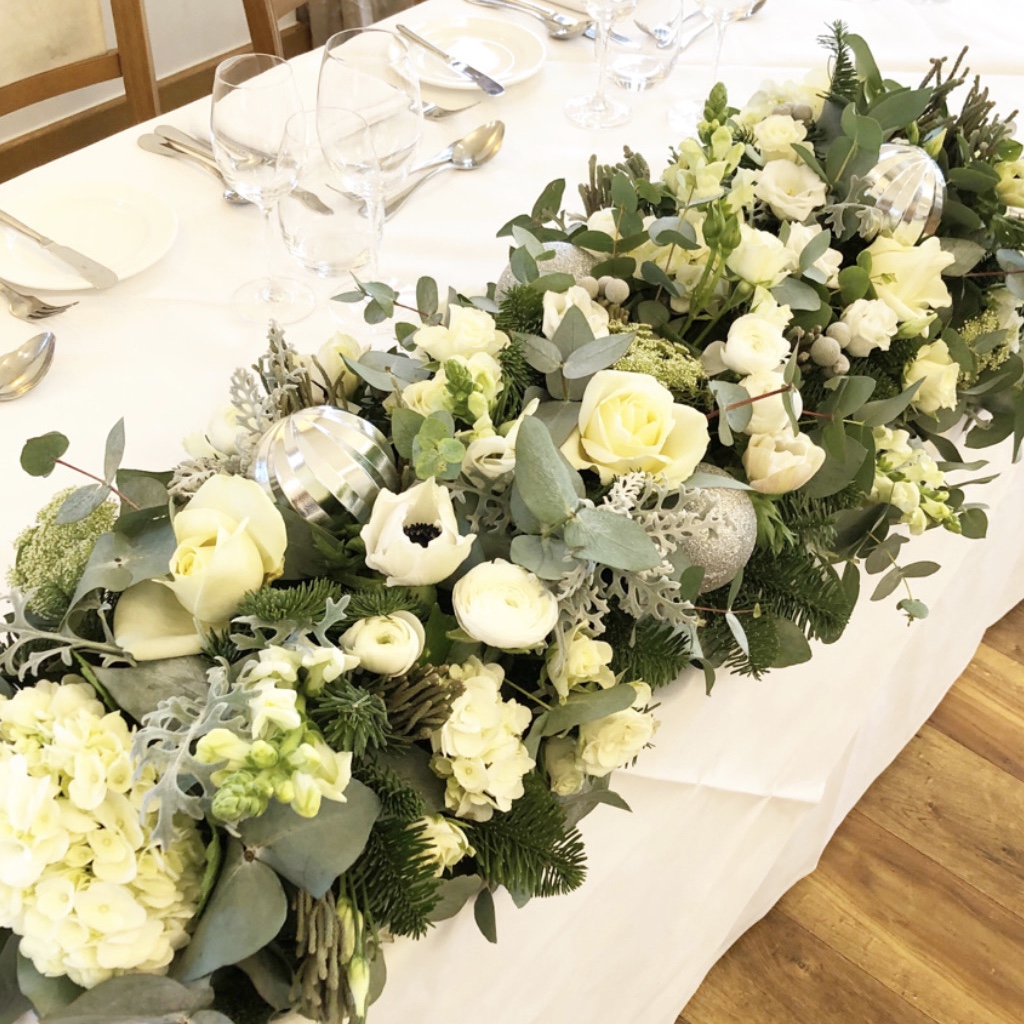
(844,86)
(376,599)
(721,648)
(349,717)
(528,849)
(521,310)
(301,603)
(517,375)
(397,798)
(647,650)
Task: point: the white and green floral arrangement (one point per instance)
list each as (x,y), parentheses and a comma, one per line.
(375,648)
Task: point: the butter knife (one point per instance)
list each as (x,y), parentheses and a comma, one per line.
(95,273)
(460,67)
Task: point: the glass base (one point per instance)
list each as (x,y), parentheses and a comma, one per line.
(597,112)
(282,299)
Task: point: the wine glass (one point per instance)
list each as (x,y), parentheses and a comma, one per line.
(597,110)
(254,95)
(369,119)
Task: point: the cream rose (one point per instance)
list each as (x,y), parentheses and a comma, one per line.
(469,331)
(768,415)
(933,366)
(782,462)
(792,190)
(387,645)
(557,304)
(775,135)
(760,258)
(413,537)
(872,325)
(504,605)
(1010,187)
(908,279)
(613,741)
(755,343)
(150,623)
(628,422)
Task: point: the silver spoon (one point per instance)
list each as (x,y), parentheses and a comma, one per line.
(465,154)
(22,369)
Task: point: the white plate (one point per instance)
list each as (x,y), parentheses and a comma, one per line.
(507,52)
(118,225)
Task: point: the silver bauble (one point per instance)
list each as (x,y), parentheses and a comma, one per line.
(725,529)
(568,259)
(909,190)
(325,463)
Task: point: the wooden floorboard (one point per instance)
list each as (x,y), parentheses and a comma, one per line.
(915,914)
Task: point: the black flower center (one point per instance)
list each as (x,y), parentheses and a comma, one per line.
(422,533)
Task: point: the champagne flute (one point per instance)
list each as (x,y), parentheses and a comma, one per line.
(720,13)
(254,96)
(596,110)
(369,119)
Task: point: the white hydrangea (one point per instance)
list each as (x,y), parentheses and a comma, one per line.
(81,880)
(479,750)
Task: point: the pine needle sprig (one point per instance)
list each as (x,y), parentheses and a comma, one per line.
(375,599)
(350,718)
(648,650)
(516,376)
(301,603)
(397,798)
(844,86)
(522,310)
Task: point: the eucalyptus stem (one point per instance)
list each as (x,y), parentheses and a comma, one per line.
(99,480)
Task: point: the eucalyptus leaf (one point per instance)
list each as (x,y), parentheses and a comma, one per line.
(113,451)
(130,998)
(848,395)
(312,852)
(885,410)
(139,689)
(623,193)
(975,177)
(797,294)
(898,109)
(549,202)
(40,454)
(561,418)
(546,483)
(554,282)
(835,474)
(543,355)
(793,646)
(546,557)
(523,265)
(579,805)
(573,332)
(47,995)
(483,914)
(13,1003)
(118,561)
(814,250)
(973,523)
(454,894)
(966,254)
(588,707)
(914,608)
(426,297)
(600,535)
(917,570)
(405,425)
(412,766)
(595,241)
(596,355)
(738,632)
(270,976)
(854,283)
(82,502)
(888,584)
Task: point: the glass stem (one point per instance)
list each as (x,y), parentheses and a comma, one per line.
(268,240)
(375,212)
(603,33)
(720,24)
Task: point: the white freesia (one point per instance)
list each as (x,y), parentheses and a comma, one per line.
(775,135)
(628,422)
(777,463)
(769,415)
(754,344)
(760,258)
(557,304)
(934,367)
(388,645)
(908,279)
(447,839)
(413,537)
(502,604)
(869,324)
(468,332)
(614,741)
(792,190)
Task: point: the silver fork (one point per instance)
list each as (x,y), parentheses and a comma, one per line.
(436,112)
(29,307)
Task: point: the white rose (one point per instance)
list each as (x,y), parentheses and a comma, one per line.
(502,604)
(331,357)
(908,279)
(792,190)
(387,645)
(1010,187)
(469,331)
(557,304)
(768,415)
(827,264)
(935,368)
(604,220)
(613,741)
(489,458)
(872,324)
(413,537)
(779,463)
(579,659)
(150,623)
(776,134)
(427,396)
(563,766)
(755,343)
(220,437)
(628,422)
(760,258)
(447,839)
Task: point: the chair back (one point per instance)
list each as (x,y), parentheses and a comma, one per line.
(263,17)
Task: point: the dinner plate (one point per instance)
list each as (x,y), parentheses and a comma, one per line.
(118,225)
(507,52)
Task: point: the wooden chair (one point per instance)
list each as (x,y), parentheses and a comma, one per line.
(131,60)
(263,17)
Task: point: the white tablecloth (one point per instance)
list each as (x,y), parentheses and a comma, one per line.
(743,788)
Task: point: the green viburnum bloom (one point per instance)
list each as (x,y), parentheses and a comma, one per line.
(51,557)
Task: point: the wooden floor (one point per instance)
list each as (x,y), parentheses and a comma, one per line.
(915,914)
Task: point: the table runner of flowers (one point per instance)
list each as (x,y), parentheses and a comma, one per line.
(375,647)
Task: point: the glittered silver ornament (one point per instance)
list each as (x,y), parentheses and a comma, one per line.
(909,190)
(724,528)
(568,259)
(325,463)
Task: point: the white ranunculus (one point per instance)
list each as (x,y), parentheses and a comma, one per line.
(150,623)
(629,422)
(755,343)
(872,325)
(557,304)
(387,645)
(760,258)
(775,135)
(447,839)
(782,462)
(613,741)
(413,537)
(827,264)
(563,766)
(468,332)
(502,604)
(792,190)
(933,365)
(768,415)
(908,279)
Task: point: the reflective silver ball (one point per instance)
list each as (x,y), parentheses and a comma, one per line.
(568,259)
(326,463)
(909,190)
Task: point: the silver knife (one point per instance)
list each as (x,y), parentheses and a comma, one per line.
(95,273)
(482,81)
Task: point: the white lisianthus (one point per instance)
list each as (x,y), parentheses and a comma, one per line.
(768,415)
(489,459)
(934,367)
(387,645)
(579,659)
(629,422)
(908,279)
(760,258)
(563,766)
(754,344)
(557,304)
(778,463)
(447,839)
(792,190)
(775,135)
(469,331)
(614,741)
(870,324)
(504,605)
(826,266)
(413,537)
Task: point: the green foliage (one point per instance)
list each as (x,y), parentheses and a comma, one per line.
(301,603)
(516,375)
(349,717)
(721,647)
(843,87)
(417,703)
(376,599)
(649,650)
(597,193)
(521,310)
(397,798)
(528,849)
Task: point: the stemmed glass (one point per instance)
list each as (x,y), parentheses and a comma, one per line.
(253,97)
(720,13)
(369,119)
(597,110)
